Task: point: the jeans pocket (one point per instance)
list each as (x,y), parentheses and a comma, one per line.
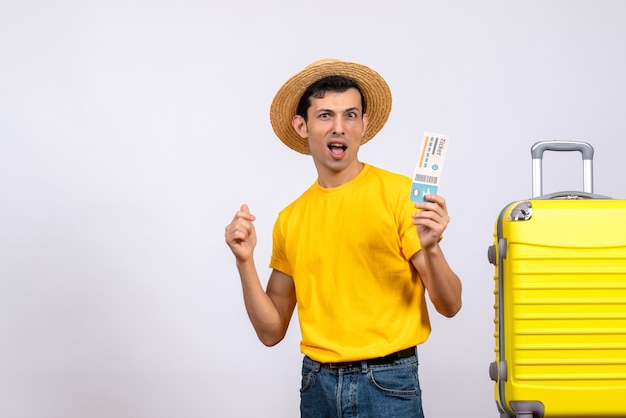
(402,381)
(308,377)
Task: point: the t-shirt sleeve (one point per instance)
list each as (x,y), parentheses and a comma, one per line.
(408,232)
(278,260)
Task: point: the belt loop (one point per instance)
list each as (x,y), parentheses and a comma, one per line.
(364,366)
(315,365)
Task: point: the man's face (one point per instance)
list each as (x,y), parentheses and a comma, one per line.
(334,129)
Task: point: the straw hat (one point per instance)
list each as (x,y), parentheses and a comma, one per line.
(284,106)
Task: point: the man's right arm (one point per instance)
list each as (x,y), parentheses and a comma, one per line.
(269,310)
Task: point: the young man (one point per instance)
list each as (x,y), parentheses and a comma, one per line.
(352,252)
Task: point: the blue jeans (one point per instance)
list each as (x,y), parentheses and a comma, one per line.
(361,391)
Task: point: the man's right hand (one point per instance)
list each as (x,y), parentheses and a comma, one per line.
(240,234)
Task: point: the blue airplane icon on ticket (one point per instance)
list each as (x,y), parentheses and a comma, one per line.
(419,190)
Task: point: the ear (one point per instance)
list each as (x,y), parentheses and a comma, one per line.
(366,121)
(299,124)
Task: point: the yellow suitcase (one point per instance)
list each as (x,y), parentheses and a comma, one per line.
(560,300)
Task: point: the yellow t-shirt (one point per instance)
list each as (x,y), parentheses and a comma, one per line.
(347,250)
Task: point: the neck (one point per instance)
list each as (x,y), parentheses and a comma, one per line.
(330,179)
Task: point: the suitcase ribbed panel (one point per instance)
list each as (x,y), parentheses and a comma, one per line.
(569,326)
(564,301)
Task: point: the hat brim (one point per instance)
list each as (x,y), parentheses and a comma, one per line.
(284,106)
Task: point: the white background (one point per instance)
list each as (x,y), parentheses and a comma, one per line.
(131,131)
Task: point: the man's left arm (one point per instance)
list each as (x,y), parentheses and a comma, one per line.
(442,284)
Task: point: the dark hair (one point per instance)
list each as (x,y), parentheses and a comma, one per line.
(337,83)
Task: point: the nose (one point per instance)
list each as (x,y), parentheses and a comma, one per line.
(338,128)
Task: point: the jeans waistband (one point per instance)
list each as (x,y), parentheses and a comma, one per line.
(389,359)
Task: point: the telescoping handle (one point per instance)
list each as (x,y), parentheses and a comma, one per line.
(584,148)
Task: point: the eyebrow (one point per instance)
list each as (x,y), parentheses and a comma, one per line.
(350,109)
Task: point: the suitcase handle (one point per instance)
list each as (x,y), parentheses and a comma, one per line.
(584,148)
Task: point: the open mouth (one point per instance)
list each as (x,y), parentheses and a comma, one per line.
(336,148)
